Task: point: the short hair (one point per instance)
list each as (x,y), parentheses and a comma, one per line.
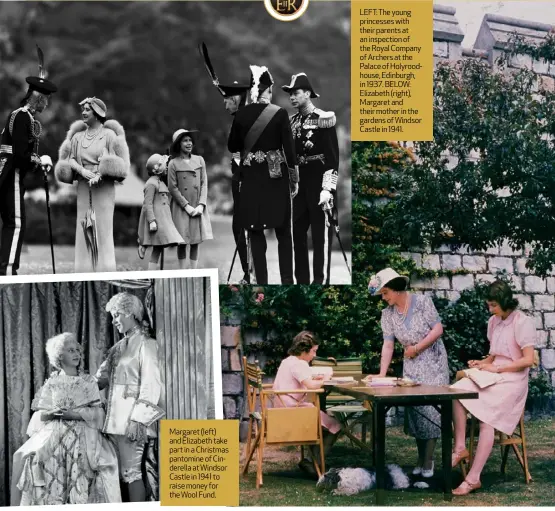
(126,304)
(499,291)
(397,284)
(303,343)
(99,117)
(55,347)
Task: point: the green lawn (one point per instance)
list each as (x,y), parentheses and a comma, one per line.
(285,485)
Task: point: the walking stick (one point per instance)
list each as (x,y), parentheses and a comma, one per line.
(45,176)
(335,224)
(232,263)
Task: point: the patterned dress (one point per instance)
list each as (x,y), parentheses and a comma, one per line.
(429,367)
(66,461)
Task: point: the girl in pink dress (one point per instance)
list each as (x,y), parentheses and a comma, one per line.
(294,373)
(512,337)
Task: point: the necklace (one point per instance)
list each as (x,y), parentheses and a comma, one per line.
(90,137)
(402,315)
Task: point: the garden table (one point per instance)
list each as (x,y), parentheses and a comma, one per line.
(381,399)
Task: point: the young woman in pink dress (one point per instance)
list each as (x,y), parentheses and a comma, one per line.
(512,337)
(294,373)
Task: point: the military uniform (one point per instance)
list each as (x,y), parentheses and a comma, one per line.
(266,177)
(317,152)
(19,142)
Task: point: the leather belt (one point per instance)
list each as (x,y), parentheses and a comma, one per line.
(303,160)
(261,156)
(6,149)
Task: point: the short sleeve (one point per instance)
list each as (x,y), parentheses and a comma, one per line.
(430,312)
(387,326)
(301,371)
(525,331)
(491,320)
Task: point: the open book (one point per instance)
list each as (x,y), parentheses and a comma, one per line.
(482,378)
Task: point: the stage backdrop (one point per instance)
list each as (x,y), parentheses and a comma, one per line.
(32,313)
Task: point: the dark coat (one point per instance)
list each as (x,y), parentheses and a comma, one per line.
(20,138)
(265,201)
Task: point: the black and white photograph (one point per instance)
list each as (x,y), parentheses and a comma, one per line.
(176,135)
(88,368)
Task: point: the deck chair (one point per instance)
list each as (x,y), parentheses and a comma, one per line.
(345,408)
(271,423)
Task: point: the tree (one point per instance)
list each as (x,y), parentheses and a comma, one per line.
(489,173)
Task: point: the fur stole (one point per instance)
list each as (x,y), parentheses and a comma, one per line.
(113,164)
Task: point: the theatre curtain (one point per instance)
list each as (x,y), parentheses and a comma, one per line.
(179,312)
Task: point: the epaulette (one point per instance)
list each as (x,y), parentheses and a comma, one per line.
(325,119)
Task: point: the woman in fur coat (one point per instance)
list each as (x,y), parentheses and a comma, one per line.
(94,153)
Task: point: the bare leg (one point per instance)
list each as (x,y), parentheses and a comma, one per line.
(193,254)
(459,418)
(429,448)
(421,446)
(155,258)
(483,450)
(181,256)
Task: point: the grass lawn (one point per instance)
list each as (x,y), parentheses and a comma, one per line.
(216,253)
(285,485)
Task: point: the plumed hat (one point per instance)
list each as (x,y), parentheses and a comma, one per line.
(40,83)
(260,76)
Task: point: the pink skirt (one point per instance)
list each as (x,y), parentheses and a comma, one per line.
(500,405)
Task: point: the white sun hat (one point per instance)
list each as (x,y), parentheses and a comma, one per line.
(379,281)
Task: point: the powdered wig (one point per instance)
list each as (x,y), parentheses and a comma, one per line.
(126,304)
(55,347)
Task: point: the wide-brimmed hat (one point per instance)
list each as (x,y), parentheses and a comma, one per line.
(177,136)
(300,81)
(260,75)
(40,83)
(97,106)
(156,164)
(382,278)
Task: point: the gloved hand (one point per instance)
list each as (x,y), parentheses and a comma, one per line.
(136,432)
(326,200)
(35,159)
(153,226)
(46,162)
(190,210)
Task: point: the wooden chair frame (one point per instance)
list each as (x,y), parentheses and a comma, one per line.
(262,396)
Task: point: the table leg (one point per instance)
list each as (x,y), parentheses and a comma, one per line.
(379,451)
(446,447)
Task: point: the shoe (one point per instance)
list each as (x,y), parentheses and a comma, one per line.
(466,487)
(307,467)
(141,251)
(416,471)
(428,472)
(459,456)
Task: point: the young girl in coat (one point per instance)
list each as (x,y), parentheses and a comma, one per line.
(188,185)
(156,227)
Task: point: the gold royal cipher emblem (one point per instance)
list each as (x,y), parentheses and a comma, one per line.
(286,10)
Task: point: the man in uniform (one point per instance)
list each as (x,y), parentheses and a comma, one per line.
(269,174)
(18,155)
(132,374)
(317,153)
(235,97)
